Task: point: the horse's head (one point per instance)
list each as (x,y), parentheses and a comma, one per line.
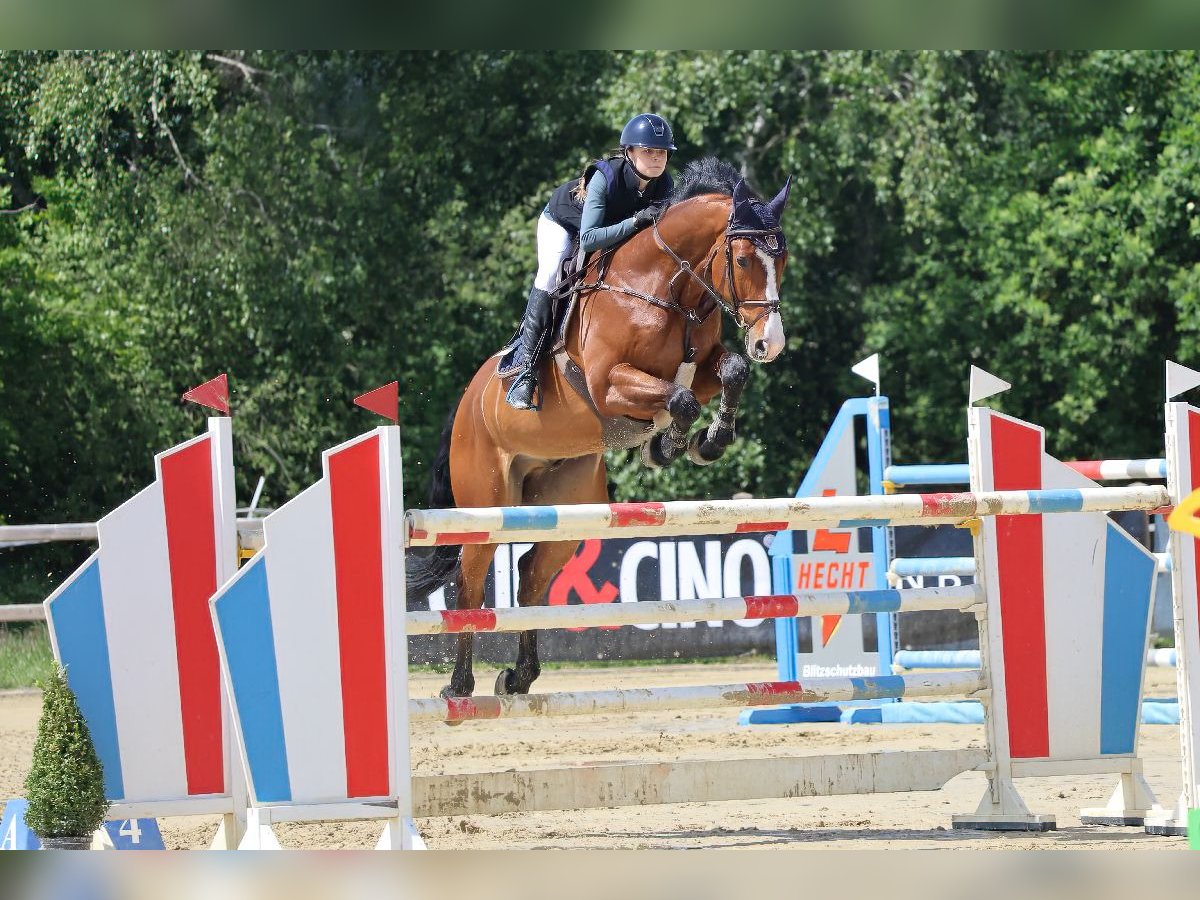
(755,256)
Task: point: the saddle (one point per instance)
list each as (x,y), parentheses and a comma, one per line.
(620,432)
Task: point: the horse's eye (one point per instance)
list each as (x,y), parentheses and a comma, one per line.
(743,261)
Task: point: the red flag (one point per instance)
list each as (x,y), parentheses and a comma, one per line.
(213,394)
(383,401)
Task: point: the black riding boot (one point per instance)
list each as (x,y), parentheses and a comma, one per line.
(535,336)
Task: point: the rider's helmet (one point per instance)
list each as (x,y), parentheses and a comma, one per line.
(648,130)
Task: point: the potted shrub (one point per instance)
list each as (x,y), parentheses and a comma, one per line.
(65,785)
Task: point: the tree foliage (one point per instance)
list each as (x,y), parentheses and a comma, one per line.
(65,784)
(319,223)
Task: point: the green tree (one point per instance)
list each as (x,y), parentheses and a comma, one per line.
(65,784)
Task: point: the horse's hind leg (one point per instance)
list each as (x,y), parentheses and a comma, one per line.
(475,561)
(581,480)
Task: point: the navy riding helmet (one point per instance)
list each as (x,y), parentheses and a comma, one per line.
(648,130)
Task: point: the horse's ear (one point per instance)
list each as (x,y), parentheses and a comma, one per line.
(741,192)
(776,206)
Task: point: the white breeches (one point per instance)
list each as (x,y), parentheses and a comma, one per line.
(553,244)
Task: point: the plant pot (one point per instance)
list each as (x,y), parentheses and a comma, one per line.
(70,842)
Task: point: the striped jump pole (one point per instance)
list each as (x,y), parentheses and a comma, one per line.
(765,693)
(962,566)
(498,525)
(969,659)
(249,532)
(601,615)
(920,567)
(1095,469)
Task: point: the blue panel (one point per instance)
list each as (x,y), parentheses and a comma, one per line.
(878,688)
(1160,712)
(786,643)
(929,473)
(134,834)
(14,833)
(885,601)
(844,420)
(1128,591)
(803,713)
(1055,501)
(77,615)
(244,619)
(530,517)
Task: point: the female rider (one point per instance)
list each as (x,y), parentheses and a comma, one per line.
(616,197)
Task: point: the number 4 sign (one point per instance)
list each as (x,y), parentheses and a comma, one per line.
(122,834)
(131,834)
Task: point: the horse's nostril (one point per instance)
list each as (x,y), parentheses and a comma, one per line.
(760,347)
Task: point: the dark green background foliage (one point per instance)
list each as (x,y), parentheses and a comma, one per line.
(319,224)
(65,784)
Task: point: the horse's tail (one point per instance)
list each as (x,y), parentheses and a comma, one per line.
(430,571)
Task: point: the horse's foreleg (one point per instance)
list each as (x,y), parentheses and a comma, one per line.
(578,480)
(638,394)
(537,569)
(528,667)
(732,372)
(664,448)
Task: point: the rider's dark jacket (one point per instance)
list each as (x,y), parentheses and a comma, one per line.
(605,217)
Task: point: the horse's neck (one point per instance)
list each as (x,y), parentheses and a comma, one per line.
(698,244)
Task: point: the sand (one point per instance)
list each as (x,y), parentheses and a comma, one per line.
(917,820)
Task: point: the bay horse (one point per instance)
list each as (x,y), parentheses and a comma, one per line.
(641,357)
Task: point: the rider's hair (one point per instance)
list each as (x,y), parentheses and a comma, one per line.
(579,192)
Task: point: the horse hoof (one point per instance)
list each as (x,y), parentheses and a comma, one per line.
(694,453)
(502,682)
(655,454)
(647,458)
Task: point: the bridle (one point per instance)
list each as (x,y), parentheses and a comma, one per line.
(712,299)
(731,234)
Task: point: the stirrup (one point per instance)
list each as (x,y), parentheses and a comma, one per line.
(535,395)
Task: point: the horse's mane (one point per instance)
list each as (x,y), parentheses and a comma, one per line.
(705,176)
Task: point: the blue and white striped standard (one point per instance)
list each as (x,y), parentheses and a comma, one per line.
(498,525)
